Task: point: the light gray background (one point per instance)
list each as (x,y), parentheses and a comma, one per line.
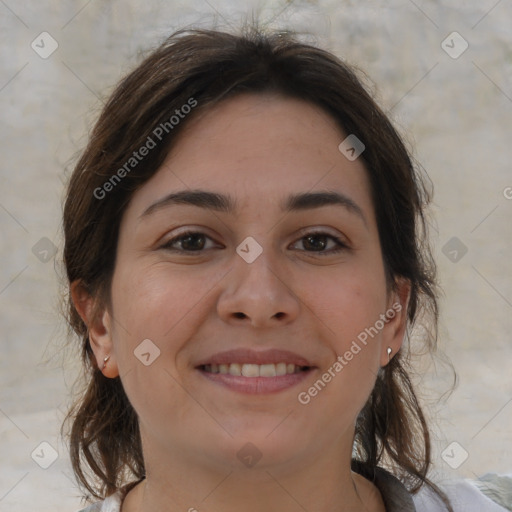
(455,113)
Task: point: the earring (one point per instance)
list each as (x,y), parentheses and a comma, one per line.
(105,359)
(389,353)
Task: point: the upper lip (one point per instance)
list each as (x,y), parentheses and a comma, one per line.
(249,356)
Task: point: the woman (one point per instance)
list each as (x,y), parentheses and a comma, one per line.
(244,243)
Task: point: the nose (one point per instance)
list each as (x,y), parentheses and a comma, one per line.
(258,293)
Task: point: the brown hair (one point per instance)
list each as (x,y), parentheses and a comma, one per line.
(209,66)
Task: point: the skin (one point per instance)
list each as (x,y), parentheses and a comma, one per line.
(259,149)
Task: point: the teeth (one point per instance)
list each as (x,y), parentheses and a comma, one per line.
(281,368)
(253,370)
(268,370)
(235,369)
(250,370)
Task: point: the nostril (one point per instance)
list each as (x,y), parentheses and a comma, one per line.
(240,315)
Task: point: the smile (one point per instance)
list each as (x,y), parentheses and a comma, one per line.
(248,371)
(251,370)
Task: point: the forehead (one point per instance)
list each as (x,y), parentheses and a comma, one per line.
(260,127)
(259,149)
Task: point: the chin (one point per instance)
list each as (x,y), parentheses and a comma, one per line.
(263,448)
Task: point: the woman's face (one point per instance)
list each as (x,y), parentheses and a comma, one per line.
(262,288)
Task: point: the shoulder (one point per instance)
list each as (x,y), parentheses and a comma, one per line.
(110,504)
(489,493)
(467,496)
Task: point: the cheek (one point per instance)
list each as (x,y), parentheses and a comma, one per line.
(347,309)
(150,303)
(347,304)
(148,300)
(159,303)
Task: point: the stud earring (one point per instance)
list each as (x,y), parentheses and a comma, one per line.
(389,353)
(105,360)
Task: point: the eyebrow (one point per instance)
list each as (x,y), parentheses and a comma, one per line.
(227,204)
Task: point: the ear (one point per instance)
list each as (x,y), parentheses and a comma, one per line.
(394,329)
(99,326)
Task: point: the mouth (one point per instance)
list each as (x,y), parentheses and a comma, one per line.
(253,372)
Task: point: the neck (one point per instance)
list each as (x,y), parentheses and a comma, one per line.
(323,485)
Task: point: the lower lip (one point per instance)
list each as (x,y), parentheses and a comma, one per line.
(257,385)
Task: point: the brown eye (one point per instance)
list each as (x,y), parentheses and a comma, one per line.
(319,242)
(191,241)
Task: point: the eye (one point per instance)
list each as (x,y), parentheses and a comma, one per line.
(318,241)
(190,241)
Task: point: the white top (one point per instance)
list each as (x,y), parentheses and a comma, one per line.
(464,495)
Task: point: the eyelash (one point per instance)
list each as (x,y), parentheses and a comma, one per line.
(341,246)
